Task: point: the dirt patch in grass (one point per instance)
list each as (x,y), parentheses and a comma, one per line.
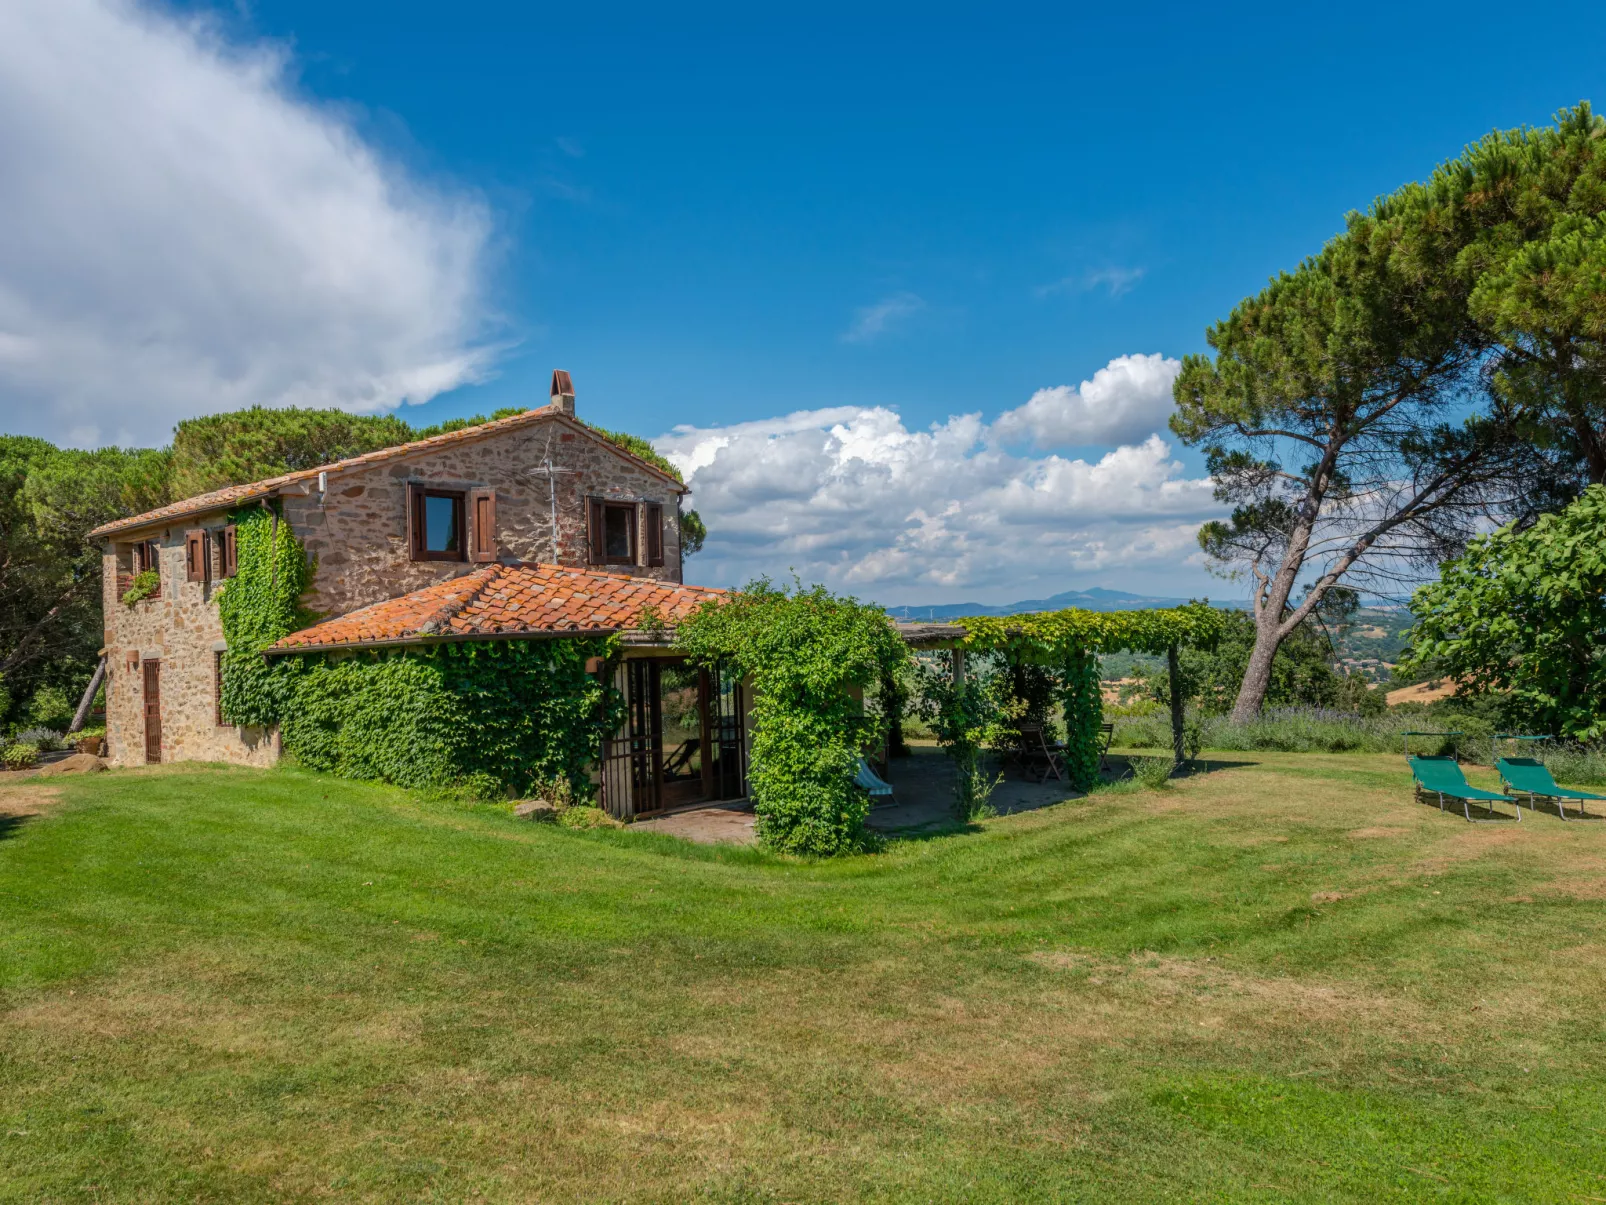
(1376,831)
(20,800)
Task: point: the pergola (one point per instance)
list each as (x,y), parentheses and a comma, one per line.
(1068,643)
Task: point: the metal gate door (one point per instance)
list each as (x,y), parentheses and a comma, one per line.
(153,712)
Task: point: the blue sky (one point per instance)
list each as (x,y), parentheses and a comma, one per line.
(722,216)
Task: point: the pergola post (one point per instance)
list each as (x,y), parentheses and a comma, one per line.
(957,658)
(1174,670)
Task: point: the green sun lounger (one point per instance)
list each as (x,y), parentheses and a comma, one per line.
(871,783)
(1525,776)
(1442,777)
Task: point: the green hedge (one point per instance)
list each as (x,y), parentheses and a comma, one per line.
(502,713)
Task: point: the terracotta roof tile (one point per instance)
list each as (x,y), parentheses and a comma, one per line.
(233,494)
(506,600)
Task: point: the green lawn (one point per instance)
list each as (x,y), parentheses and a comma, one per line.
(1282,980)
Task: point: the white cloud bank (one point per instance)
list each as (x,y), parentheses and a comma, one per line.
(1126,399)
(182,234)
(850,497)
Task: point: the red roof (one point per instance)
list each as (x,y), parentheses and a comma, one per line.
(506,600)
(233,494)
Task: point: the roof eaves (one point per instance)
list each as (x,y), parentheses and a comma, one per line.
(274,650)
(269,485)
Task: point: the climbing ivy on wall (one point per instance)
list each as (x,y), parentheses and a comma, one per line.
(804,651)
(258,605)
(495,715)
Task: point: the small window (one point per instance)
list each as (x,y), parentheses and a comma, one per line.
(613,532)
(438,525)
(144,556)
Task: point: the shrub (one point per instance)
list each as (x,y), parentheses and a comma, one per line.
(805,651)
(50,708)
(1573,763)
(1153,772)
(19,757)
(586,817)
(45,740)
(142,587)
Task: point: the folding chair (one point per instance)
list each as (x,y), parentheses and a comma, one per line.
(1525,776)
(872,784)
(1106,735)
(1442,777)
(1035,749)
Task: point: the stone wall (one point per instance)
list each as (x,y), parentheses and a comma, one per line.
(356,534)
(181,630)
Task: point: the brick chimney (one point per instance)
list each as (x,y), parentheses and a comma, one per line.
(562,391)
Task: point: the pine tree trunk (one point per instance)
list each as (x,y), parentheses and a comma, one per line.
(1257,674)
(88,701)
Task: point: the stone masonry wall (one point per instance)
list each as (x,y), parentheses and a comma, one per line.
(356,534)
(180,629)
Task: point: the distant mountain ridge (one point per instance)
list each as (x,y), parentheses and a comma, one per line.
(1096,599)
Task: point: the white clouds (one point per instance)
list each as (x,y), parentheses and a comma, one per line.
(870,322)
(850,497)
(183,235)
(1126,399)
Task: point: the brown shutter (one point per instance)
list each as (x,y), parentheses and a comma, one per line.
(655,533)
(415,523)
(482,525)
(594,523)
(194,550)
(228,552)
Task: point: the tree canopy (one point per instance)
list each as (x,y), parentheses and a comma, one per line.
(1438,362)
(50,498)
(1520,218)
(249,445)
(1525,611)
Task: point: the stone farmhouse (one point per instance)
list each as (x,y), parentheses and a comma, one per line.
(532,526)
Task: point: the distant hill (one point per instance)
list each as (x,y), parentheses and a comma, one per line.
(1096,599)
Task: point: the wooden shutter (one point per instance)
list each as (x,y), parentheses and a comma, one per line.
(415,522)
(482,525)
(655,533)
(195,566)
(594,533)
(228,556)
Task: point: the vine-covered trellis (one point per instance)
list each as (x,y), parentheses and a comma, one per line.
(1069,643)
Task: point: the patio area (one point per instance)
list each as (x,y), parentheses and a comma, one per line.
(923,786)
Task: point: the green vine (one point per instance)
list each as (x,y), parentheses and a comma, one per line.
(1069,641)
(806,653)
(1084,712)
(258,605)
(142,587)
(492,716)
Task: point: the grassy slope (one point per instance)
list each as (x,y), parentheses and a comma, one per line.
(225,985)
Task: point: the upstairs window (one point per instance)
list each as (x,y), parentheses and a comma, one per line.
(438,527)
(612,531)
(135,559)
